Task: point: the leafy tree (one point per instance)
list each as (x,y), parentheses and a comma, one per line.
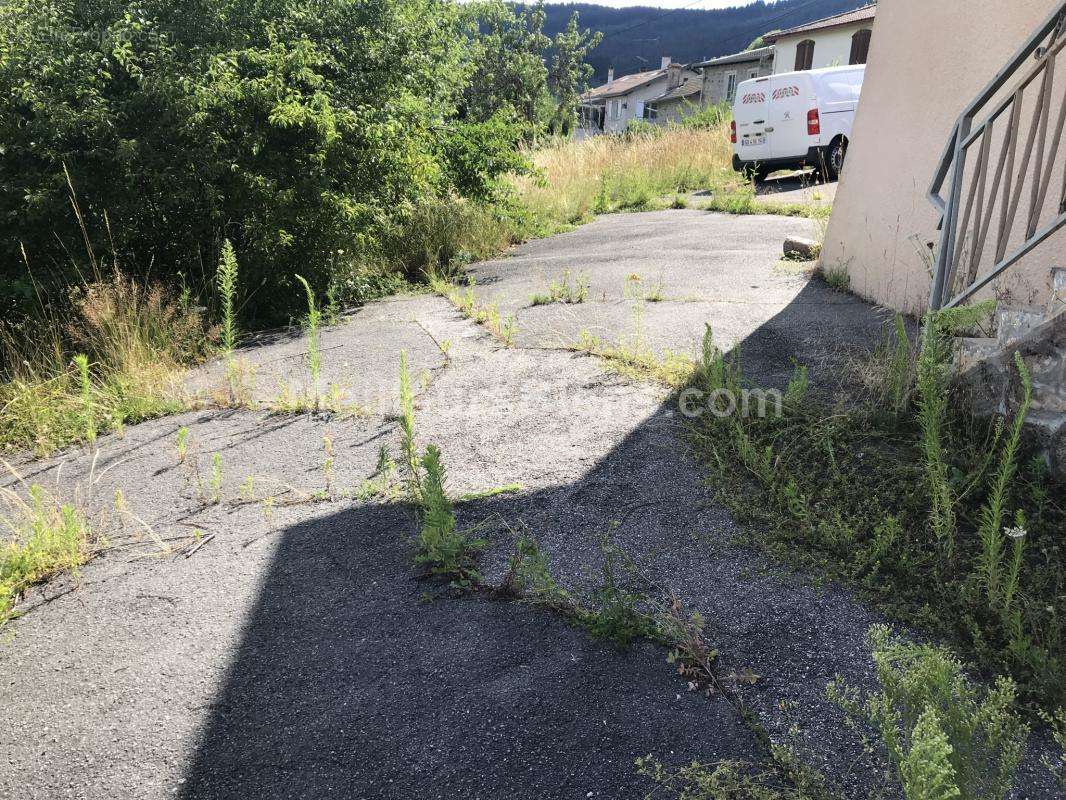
(569,75)
(509,73)
(298,129)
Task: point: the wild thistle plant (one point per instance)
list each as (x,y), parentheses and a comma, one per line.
(226,282)
(81,361)
(989,565)
(314,319)
(932,380)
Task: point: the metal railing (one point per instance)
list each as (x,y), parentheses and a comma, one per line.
(993,191)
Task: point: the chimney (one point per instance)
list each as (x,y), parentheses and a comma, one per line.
(665,62)
(673,76)
(610,74)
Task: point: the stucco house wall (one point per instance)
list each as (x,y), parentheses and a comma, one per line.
(927,62)
(715,81)
(832,47)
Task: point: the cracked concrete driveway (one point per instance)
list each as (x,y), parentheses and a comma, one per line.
(296,653)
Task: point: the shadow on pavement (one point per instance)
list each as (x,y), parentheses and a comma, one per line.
(349,682)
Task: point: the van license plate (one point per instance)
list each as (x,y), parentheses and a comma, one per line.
(752,141)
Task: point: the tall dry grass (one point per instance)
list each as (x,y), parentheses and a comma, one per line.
(137,338)
(574,180)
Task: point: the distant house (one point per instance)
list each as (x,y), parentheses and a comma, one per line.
(721,75)
(831,42)
(609,108)
(682,96)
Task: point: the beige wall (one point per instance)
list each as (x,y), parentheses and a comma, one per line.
(927,62)
(832,47)
(715,82)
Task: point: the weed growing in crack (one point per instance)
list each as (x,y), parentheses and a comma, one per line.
(944,736)
(528,578)
(503,329)
(247,490)
(384,487)
(615,615)
(727,780)
(239,390)
(563,291)
(673,370)
(836,277)
(444,550)
(933,378)
(182,444)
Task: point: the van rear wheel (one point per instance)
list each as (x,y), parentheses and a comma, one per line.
(833,158)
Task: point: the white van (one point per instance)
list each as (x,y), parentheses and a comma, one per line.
(795,119)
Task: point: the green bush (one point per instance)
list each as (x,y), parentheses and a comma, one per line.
(945,737)
(298,129)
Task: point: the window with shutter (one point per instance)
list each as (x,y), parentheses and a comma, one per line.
(860,46)
(804,55)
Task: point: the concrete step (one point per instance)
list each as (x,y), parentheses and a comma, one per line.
(972,350)
(1057,302)
(1049,397)
(1050,430)
(1014,322)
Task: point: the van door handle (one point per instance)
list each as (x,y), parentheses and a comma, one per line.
(769,129)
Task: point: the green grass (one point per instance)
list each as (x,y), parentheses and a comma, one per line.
(40,538)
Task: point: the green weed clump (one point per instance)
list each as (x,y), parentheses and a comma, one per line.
(504,329)
(313,322)
(945,521)
(562,291)
(41,538)
(945,737)
(727,780)
(443,549)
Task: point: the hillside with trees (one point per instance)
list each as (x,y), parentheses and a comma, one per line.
(636,38)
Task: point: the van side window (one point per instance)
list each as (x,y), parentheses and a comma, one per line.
(805,55)
(860,46)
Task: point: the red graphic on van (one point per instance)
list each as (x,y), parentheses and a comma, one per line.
(754,97)
(786,91)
